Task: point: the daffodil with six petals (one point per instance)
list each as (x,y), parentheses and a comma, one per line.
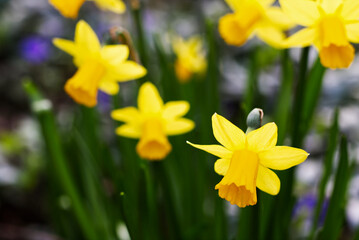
(99,67)
(152,122)
(329,25)
(245,160)
(254,18)
(191,58)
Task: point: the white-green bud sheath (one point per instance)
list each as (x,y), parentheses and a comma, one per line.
(254,119)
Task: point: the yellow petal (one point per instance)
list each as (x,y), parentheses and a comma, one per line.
(337,56)
(266,3)
(127,114)
(153,144)
(216,150)
(130,131)
(279,18)
(332,31)
(352,31)
(267,181)
(65,45)
(115,54)
(271,35)
(239,183)
(262,138)
(116,6)
(350,10)
(282,157)
(226,133)
(231,30)
(182,72)
(126,71)
(302,38)
(83,86)
(68,8)
(174,109)
(109,87)
(149,100)
(179,126)
(330,6)
(86,38)
(303,12)
(221,166)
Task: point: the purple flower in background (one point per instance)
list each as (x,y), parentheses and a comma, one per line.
(307,202)
(304,210)
(35,49)
(104,101)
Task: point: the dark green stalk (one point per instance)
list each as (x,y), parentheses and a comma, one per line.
(141,38)
(93,189)
(248,223)
(328,165)
(336,210)
(55,152)
(284,100)
(152,221)
(169,202)
(286,200)
(299,95)
(252,83)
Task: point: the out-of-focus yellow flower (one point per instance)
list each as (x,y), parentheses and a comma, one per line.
(191,57)
(70,8)
(245,160)
(330,25)
(99,67)
(152,122)
(254,17)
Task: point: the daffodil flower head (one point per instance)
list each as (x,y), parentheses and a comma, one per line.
(191,57)
(152,122)
(98,67)
(70,8)
(330,25)
(245,160)
(254,18)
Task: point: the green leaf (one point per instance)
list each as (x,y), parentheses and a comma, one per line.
(336,210)
(56,155)
(328,166)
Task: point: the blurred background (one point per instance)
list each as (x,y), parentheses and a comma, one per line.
(27,53)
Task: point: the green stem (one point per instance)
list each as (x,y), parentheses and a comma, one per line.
(55,152)
(141,39)
(283,102)
(164,181)
(300,91)
(328,166)
(152,221)
(252,83)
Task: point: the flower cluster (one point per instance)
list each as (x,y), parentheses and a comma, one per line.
(245,160)
(329,25)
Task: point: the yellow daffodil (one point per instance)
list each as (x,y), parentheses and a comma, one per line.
(191,58)
(254,17)
(330,25)
(245,160)
(70,8)
(152,122)
(99,67)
